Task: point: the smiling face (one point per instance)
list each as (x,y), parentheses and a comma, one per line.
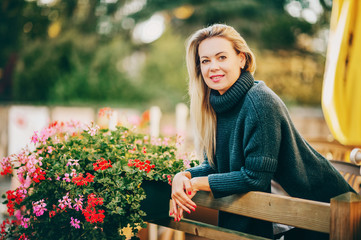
(220,63)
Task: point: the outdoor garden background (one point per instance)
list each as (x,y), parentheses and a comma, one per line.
(62,60)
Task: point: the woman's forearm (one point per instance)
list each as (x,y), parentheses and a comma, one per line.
(200,184)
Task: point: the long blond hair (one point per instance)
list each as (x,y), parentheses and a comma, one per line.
(201,111)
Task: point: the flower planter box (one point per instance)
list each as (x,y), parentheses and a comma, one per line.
(156,204)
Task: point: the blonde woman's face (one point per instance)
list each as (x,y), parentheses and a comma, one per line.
(220,63)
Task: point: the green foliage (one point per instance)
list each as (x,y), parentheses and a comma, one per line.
(82,65)
(281,32)
(296,78)
(75,67)
(103,169)
(164,76)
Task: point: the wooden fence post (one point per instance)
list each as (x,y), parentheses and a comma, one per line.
(155,116)
(346,217)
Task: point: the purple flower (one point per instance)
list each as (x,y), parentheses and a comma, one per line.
(39,207)
(25,222)
(35,138)
(79,203)
(66,202)
(75,222)
(72,162)
(92,130)
(66,178)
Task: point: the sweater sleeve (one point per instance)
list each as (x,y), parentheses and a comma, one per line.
(261,142)
(201,170)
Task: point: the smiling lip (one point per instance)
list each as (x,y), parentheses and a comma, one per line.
(216,78)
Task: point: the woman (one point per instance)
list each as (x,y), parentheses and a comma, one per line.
(245,133)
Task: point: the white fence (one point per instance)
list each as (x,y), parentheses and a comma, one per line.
(18,123)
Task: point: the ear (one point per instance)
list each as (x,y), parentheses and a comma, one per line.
(242,58)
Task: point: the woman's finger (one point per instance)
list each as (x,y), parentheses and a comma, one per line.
(184,199)
(181,206)
(180,214)
(174,208)
(188,187)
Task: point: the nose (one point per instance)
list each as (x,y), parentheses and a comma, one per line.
(214,66)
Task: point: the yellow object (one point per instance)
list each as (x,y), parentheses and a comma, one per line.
(183,12)
(341,93)
(54,29)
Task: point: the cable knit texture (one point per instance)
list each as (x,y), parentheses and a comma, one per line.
(256,141)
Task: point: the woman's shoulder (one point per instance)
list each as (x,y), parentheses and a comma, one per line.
(262,98)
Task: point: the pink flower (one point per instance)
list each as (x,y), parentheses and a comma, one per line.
(186,163)
(21,192)
(39,207)
(66,202)
(35,138)
(45,134)
(93,130)
(156,141)
(50,149)
(75,222)
(74,125)
(27,182)
(25,222)
(79,203)
(6,166)
(166,141)
(18,215)
(66,178)
(72,162)
(180,140)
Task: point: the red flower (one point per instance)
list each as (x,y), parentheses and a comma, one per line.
(3,227)
(7,170)
(143,166)
(130,163)
(23,236)
(90,213)
(80,180)
(38,175)
(52,214)
(102,164)
(11,204)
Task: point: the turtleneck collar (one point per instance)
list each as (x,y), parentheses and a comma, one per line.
(225,102)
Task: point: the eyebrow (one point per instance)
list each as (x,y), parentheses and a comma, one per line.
(214,55)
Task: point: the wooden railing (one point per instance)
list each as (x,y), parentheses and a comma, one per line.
(341,218)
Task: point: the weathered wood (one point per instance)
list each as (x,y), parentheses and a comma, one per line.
(346,217)
(296,212)
(206,230)
(341,218)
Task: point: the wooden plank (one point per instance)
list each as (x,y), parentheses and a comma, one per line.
(206,230)
(346,217)
(296,212)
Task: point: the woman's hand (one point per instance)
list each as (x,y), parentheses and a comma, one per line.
(182,192)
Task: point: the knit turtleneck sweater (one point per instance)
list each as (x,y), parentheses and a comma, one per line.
(256,141)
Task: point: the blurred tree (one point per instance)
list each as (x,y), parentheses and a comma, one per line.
(164,75)
(11,27)
(84,51)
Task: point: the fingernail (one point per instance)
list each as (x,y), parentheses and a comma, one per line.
(188,211)
(189,192)
(171,213)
